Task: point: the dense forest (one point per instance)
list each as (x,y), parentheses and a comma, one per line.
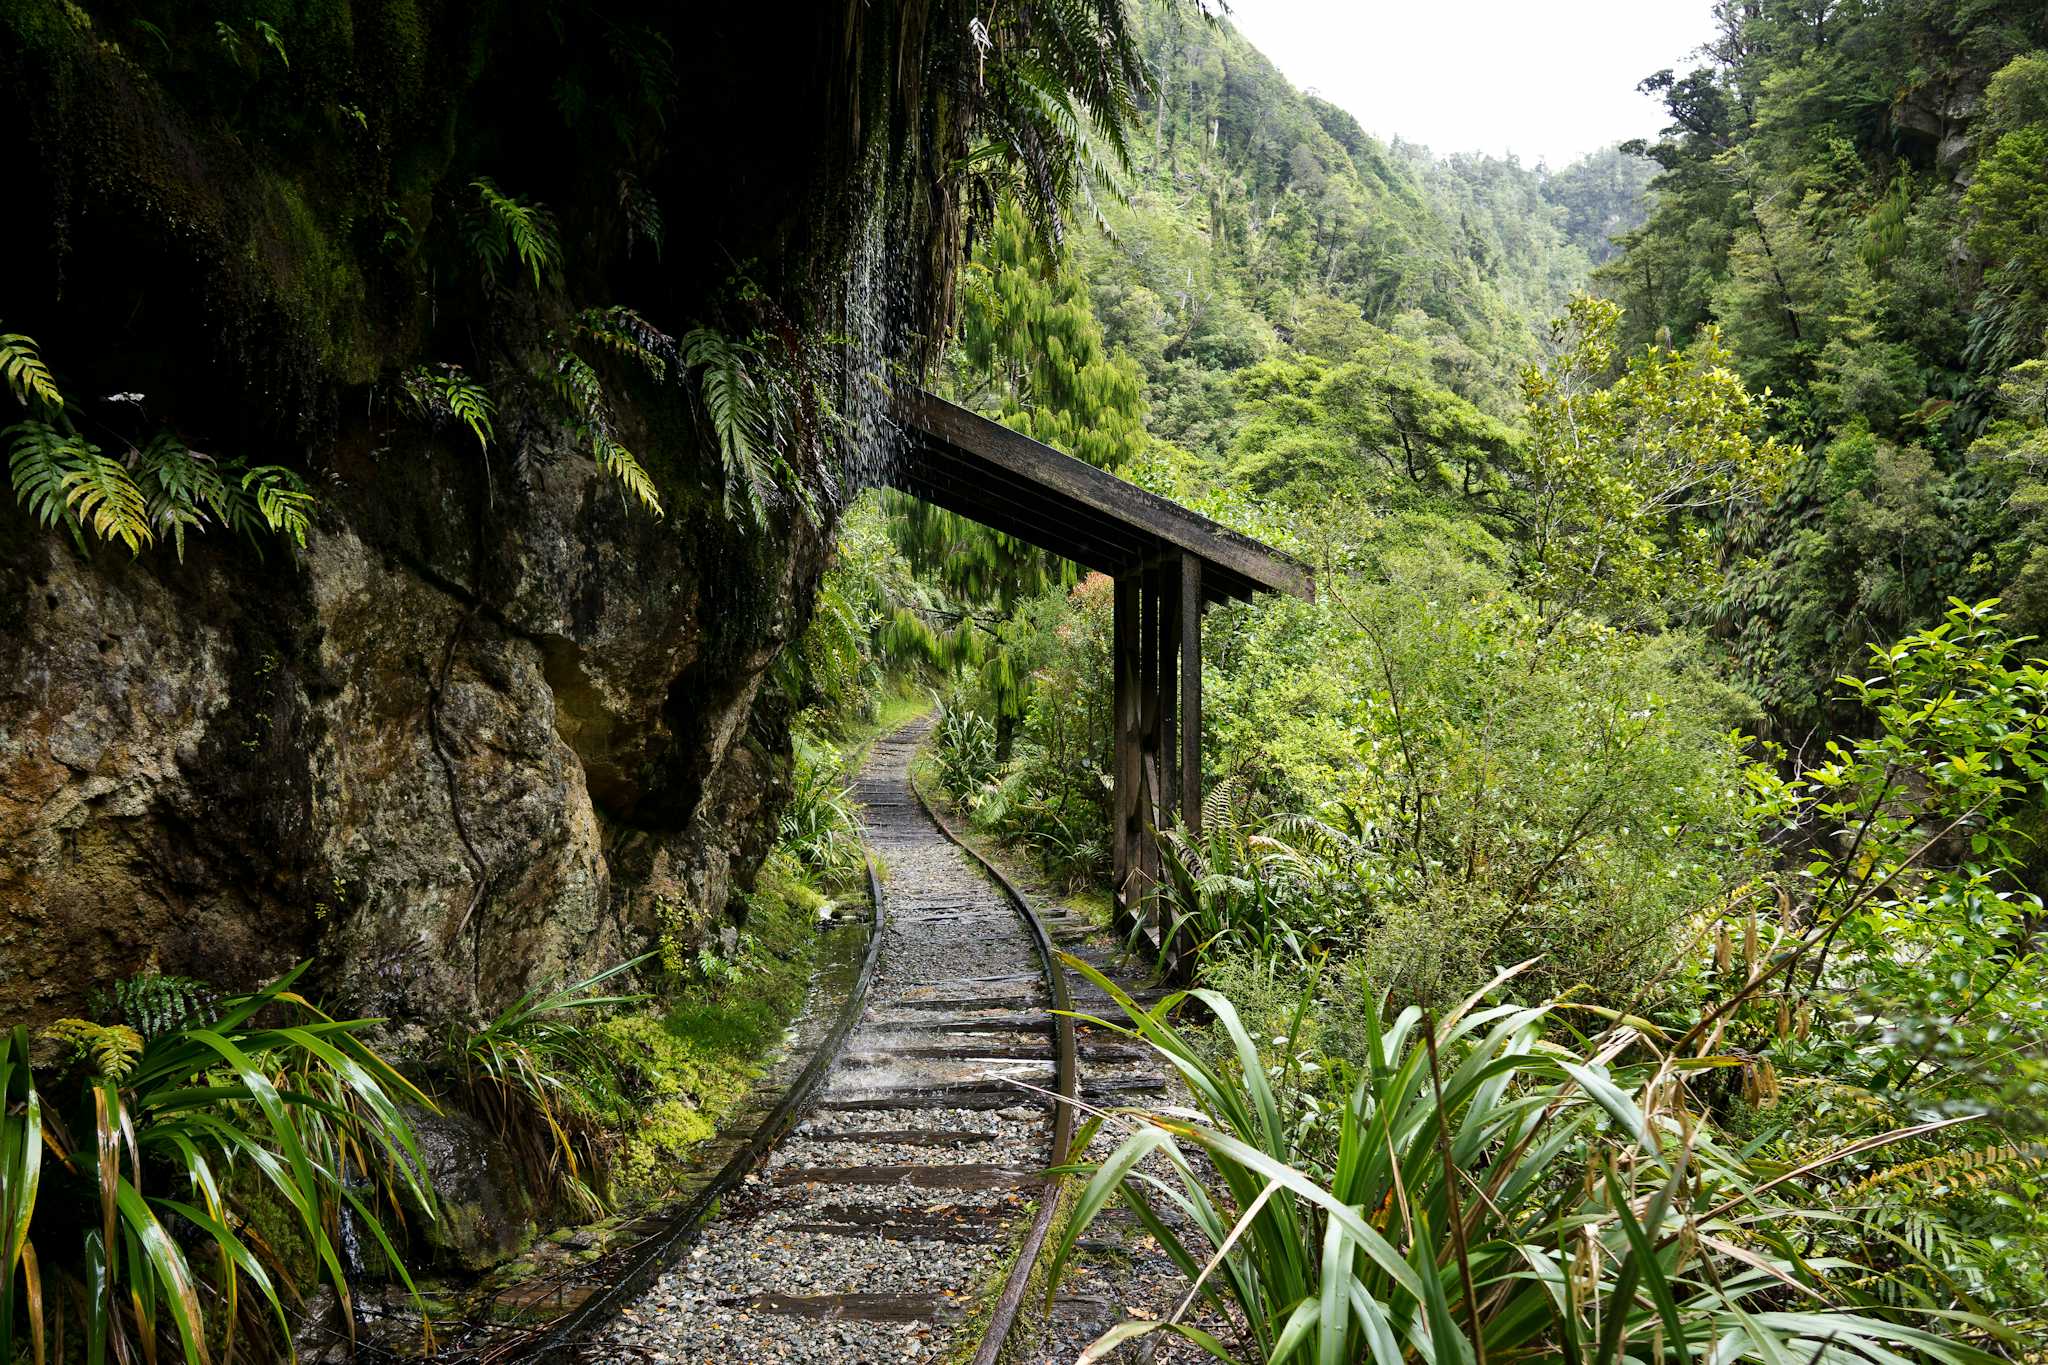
(1614,926)
(1675,521)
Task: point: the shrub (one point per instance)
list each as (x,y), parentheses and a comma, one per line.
(119,1220)
(818,827)
(540,1076)
(1478,1190)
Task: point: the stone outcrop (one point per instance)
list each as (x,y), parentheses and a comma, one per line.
(485,733)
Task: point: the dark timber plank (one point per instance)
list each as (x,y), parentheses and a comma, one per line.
(978,445)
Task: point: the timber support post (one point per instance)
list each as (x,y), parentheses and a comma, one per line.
(1157,664)
(1169,564)
(1126,826)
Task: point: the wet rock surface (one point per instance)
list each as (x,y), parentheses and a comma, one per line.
(484,1213)
(485,733)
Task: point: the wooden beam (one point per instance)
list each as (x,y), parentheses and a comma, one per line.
(1191,693)
(1079,483)
(1015,519)
(980,488)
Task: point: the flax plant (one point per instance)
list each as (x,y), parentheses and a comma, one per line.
(1488,1194)
(135,1174)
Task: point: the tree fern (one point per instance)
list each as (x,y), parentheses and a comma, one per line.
(1059,96)
(23,368)
(505,226)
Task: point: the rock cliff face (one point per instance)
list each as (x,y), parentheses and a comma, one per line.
(487,732)
(492,728)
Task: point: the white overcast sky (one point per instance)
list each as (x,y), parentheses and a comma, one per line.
(1546,81)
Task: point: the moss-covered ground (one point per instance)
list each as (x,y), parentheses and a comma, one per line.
(700,1048)
(699,1051)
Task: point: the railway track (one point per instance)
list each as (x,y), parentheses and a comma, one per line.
(898,1218)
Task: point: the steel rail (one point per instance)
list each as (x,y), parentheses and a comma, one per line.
(663,1251)
(1003,1319)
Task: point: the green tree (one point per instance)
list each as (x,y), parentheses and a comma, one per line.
(1628,478)
(1031,356)
(2007,204)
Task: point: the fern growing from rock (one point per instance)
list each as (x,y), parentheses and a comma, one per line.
(748,405)
(158,490)
(505,227)
(446,392)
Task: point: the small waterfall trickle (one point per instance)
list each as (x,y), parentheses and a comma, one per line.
(875,307)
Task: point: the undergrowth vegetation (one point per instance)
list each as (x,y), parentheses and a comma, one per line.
(140,1155)
(1495,1181)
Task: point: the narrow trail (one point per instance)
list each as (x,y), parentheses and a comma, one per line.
(878,1228)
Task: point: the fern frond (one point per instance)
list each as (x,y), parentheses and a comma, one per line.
(619,328)
(508,225)
(39,457)
(99,491)
(741,415)
(269,35)
(447,391)
(1958,1170)
(643,215)
(181,487)
(21,364)
(579,386)
(1216,803)
(618,462)
(111,1048)
(281,499)
(154,1004)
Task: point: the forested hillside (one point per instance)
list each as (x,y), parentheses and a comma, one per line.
(1858,196)
(450,578)
(1609,475)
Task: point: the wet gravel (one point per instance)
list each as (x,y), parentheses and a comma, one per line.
(1118,1272)
(822,1257)
(909,1254)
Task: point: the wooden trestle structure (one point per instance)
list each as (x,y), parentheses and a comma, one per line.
(1168,563)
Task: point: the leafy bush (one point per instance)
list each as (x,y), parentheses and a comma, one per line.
(1479,1190)
(1282,889)
(1509,791)
(122,1225)
(818,827)
(966,746)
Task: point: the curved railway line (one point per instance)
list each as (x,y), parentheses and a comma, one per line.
(900,1216)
